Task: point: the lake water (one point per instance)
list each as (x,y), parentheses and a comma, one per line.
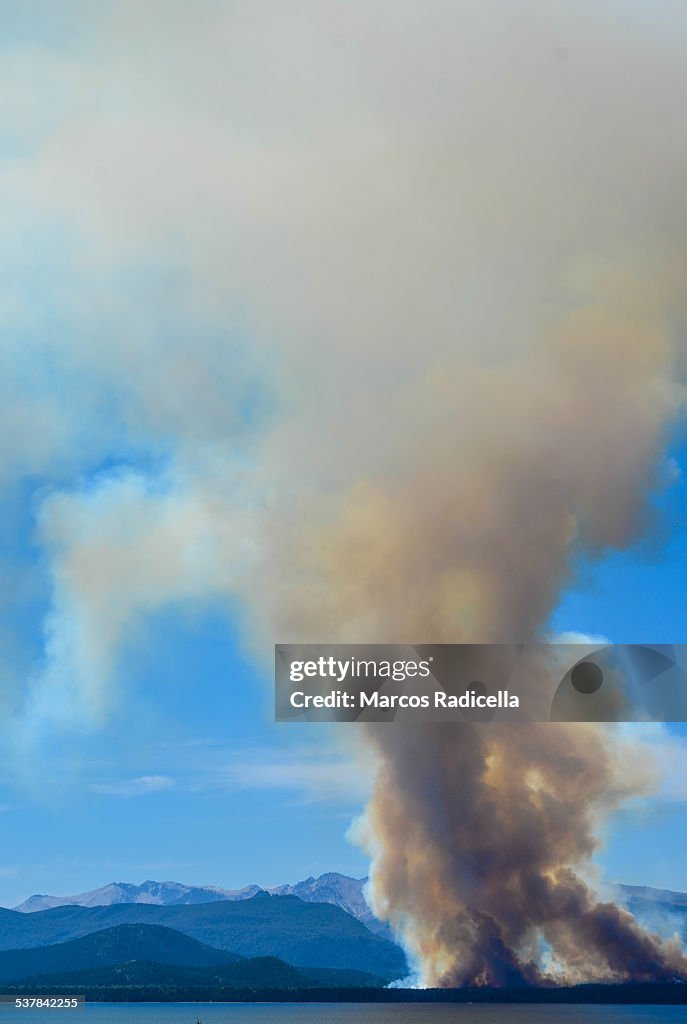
(345,1013)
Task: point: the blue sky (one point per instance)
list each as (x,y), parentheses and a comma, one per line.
(256,269)
(639,597)
(190,779)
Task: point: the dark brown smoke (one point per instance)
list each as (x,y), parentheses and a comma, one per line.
(477,833)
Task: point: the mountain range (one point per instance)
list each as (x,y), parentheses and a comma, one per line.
(111,946)
(302,933)
(164,894)
(147,955)
(332,887)
(166,940)
(660,909)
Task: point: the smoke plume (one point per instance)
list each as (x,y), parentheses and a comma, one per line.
(480,837)
(383,303)
(477,835)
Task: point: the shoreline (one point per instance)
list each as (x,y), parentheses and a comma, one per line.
(638,994)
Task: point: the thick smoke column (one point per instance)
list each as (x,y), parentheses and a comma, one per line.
(405,338)
(478,834)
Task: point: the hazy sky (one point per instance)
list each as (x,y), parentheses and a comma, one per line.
(193,199)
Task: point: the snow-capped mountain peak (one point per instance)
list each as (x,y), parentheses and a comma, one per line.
(332,887)
(166,894)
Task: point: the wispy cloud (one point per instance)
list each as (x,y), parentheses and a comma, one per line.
(9,870)
(662,756)
(313,776)
(329,780)
(316,769)
(139,786)
(574,637)
(669,752)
